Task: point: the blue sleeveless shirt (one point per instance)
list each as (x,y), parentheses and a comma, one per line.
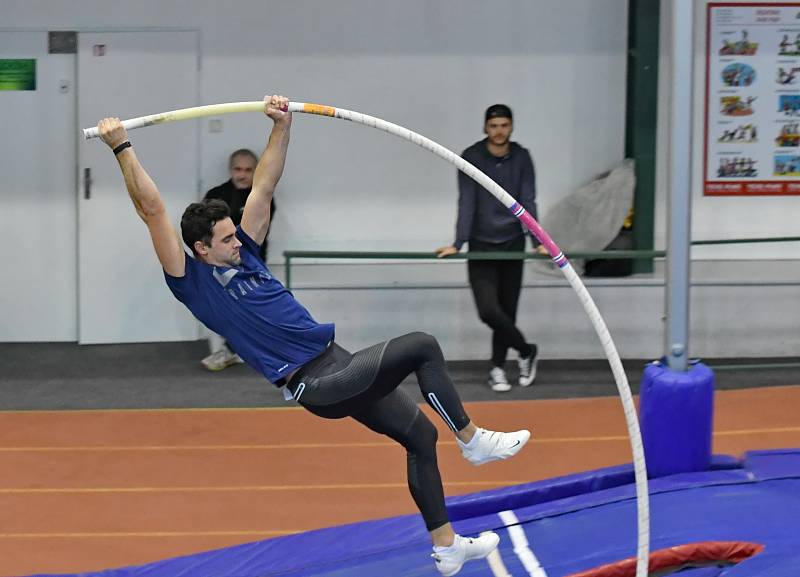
(255,313)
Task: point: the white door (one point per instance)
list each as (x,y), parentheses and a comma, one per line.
(122,294)
(38,213)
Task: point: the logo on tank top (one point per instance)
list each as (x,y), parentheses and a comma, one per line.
(242,286)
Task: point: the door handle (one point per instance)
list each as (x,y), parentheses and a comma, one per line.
(87,183)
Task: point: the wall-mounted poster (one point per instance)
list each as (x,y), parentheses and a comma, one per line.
(752,107)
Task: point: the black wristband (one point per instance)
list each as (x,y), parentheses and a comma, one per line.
(121,147)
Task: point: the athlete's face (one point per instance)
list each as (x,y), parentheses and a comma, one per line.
(242,169)
(224,248)
(498,130)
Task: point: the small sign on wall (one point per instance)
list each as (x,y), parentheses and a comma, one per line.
(18,74)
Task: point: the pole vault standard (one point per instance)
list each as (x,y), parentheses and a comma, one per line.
(621,379)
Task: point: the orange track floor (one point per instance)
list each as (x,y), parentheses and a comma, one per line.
(90,490)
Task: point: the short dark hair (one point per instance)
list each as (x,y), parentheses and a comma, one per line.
(199,218)
(241,152)
(498,111)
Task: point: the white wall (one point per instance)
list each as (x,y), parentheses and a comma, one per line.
(38,214)
(430,65)
(433,66)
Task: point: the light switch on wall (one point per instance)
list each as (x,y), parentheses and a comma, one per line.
(215,125)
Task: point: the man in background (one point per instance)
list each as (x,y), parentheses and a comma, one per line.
(234,192)
(488,226)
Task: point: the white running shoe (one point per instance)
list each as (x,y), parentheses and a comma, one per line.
(498,380)
(221,359)
(527,368)
(486,446)
(450,559)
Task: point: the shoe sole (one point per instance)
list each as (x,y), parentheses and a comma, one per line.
(222,368)
(516,449)
(214,369)
(500,388)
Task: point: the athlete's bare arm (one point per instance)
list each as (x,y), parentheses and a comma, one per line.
(255,219)
(146,199)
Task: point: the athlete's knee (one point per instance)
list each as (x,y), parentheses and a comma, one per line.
(423,339)
(426,345)
(428,432)
(422,437)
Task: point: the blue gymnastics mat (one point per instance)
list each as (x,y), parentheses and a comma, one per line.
(550,528)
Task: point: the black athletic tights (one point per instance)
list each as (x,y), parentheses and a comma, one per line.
(364,385)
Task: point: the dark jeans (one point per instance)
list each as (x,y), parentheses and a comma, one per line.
(496,285)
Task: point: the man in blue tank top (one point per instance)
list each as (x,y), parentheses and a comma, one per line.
(228,287)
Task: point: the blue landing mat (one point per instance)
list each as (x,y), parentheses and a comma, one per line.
(570,524)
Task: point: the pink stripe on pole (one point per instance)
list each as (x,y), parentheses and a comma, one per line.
(542,235)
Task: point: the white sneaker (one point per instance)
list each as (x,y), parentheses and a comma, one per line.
(221,359)
(527,368)
(498,380)
(450,559)
(487,446)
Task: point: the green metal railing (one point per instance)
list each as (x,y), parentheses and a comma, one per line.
(611,254)
(378,255)
(289,255)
